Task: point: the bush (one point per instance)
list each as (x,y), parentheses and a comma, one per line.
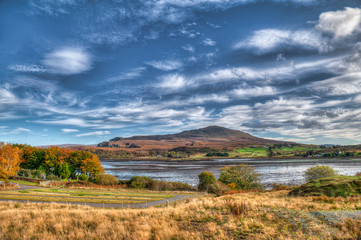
(277,187)
(358,174)
(52,177)
(232,186)
(206,179)
(139,182)
(106,179)
(83,177)
(242,175)
(218,188)
(151,184)
(318,172)
(217,154)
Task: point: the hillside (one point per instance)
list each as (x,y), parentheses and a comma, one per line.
(209,137)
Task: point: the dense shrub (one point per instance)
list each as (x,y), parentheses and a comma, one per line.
(151,184)
(242,175)
(218,188)
(317,172)
(217,154)
(206,179)
(139,182)
(232,186)
(106,179)
(83,177)
(52,177)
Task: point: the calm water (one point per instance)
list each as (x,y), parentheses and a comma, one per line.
(273,171)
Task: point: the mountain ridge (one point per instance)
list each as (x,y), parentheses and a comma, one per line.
(214,136)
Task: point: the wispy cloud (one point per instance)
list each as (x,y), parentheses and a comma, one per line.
(131,74)
(96,133)
(68,60)
(266,40)
(68,130)
(21,130)
(173,82)
(166,65)
(68,121)
(26,68)
(208,42)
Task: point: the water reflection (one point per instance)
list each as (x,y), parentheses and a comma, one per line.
(273,171)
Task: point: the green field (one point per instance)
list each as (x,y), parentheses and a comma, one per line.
(82,196)
(252,152)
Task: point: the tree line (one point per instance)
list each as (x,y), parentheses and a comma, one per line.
(60,162)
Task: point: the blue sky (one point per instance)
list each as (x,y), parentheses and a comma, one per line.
(79,72)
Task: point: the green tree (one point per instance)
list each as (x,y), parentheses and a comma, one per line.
(318,172)
(62,170)
(242,175)
(205,180)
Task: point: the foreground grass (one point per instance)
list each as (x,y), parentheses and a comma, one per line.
(253,215)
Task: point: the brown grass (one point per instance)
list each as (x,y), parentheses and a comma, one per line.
(253,215)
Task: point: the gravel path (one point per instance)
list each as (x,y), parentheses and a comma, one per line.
(334,217)
(105,205)
(26,187)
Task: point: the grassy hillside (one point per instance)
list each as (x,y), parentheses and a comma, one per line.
(337,186)
(251,215)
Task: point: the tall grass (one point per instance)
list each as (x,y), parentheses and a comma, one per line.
(253,215)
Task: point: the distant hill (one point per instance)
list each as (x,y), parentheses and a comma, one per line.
(211,137)
(66,145)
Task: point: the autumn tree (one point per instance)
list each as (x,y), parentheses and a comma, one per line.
(242,175)
(91,166)
(9,161)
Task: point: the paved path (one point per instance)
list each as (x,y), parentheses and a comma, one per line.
(26,187)
(104,205)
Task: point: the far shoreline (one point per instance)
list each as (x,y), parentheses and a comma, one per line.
(246,160)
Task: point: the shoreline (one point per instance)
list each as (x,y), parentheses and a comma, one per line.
(260,160)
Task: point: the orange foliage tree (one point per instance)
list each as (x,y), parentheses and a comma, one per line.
(9,161)
(91,166)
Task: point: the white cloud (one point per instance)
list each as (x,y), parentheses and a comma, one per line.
(254,92)
(342,85)
(68,60)
(166,65)
(266,40)
(21,130)
(26,68)
(96,133)
(207,98)
(69,121)
(173,82)
(340,23)
(209,42)
(6,97)
(189,48)
(67,130)
(131,74)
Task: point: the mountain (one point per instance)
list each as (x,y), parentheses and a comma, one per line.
(66,145)
(210,137)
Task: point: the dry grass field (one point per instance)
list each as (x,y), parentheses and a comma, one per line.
(251,215)
(83,196)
